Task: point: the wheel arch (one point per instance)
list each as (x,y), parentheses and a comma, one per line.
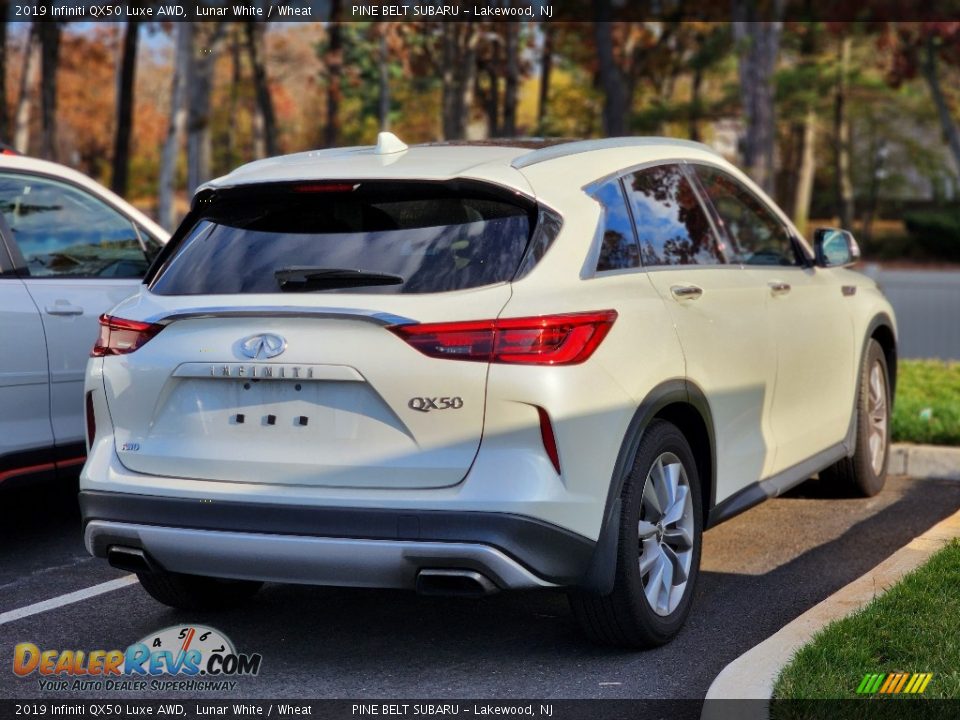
(881,330)
(694,420)
(684,404)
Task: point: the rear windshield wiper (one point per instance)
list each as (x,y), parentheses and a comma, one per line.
(300,279)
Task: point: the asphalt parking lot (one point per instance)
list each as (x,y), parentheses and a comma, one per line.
(760,570)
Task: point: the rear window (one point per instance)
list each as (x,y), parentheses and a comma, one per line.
(348,237)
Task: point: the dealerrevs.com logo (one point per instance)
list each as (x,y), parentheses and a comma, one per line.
(180,657)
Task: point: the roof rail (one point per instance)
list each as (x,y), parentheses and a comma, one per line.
(581,146)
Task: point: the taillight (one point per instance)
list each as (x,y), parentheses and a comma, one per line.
(91,420)
(119,336)
(548,340)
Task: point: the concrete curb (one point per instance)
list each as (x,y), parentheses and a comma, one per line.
(926,461)
(752,675)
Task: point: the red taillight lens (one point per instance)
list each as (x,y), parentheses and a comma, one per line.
(548,340)
(91,420)
(456,341)
(119,336)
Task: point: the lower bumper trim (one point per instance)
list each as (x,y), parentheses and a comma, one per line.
(345,562)
(555,554)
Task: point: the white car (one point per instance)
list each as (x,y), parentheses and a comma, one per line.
(465,368)
(69,251)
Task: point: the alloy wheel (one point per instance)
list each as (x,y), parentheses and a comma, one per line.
(665,531)
(877,417)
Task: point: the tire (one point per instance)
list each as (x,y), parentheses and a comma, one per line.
(194,592)
(865,473)
(627,617)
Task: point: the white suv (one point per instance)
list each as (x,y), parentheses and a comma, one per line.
(69,251)
(465,368)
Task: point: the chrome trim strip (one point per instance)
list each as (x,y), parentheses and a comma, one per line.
(379,318)
(344,562)
(267,371)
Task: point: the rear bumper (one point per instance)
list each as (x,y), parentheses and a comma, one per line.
(332,546)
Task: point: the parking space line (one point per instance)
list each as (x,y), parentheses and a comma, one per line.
(68,599)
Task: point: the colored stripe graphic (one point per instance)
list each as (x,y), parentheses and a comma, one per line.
(901,683)
(875,681)
(894,683)
(890,683)
(886,683)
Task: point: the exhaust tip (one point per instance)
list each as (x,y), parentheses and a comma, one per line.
(130,559)
(458,583)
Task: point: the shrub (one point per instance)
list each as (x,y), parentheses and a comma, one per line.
(936,233)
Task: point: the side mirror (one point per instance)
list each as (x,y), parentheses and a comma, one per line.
(835,248)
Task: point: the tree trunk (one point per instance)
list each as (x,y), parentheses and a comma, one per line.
(125,89)
(459,57)
(877,158)
(468,73)
(546,66)
(4,106)
(334,62)
(448,44)
(383,66)
(28,78)
(494,128)
(178,120)
(841,125)
(759,43)
(931,74)
(612,82)
(696,103)
(803,191)
(802,166)
(199,86)
(49,60)
(512,83)
(266,117)
(237,44)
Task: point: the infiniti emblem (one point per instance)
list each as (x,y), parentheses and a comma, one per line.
(263,346)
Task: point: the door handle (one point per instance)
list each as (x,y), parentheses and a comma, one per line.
(686,292)
(779,288)
(63,309)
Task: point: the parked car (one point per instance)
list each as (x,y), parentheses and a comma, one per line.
(465,368)
(69,251)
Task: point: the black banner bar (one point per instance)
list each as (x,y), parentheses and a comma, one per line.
(476,10)
(405,709)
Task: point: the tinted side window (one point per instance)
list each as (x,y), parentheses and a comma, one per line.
(671,223)
(618,249)
(755,233)
(61,230)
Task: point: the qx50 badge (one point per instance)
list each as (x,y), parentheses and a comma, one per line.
(426,404)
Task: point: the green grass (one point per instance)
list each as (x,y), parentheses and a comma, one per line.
(927,408)
(915,627)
